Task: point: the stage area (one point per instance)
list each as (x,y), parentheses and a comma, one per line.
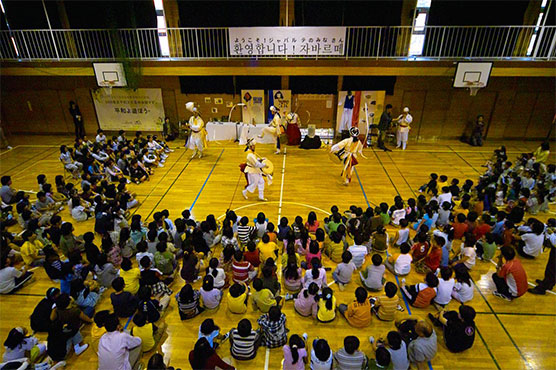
(510,335)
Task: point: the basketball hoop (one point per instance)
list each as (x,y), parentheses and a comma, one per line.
(109,84)
(474,87)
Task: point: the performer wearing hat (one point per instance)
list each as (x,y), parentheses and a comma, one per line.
(253,168)
(274,128)
(404,121)
(347,151)
(197,139)
(293,132)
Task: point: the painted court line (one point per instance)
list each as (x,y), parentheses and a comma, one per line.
(206,180)
(158,183)
(279,272)
(527,364)
(387,255)
(530,283)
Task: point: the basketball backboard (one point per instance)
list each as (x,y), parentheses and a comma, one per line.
(472,73)
(110,74)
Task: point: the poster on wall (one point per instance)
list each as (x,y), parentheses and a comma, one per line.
(282,100)
(128,109)
(352,111)
(248,41)
(253,111)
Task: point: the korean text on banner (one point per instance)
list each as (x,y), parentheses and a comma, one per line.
(322,41)
(128,109)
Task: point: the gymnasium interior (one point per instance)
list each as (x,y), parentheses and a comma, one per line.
(333,112)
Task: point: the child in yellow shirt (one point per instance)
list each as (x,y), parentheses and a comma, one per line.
(237,298)
(31,250)
(267,248)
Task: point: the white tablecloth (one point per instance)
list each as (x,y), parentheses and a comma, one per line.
(227,131)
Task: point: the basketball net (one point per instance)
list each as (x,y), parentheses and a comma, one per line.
(474,87)
(108,84)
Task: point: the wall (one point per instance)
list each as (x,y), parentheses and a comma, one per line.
(514,107)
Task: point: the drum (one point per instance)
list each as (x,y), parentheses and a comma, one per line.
(269,169)
(336,156)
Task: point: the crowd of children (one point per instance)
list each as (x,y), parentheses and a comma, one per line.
(442,235)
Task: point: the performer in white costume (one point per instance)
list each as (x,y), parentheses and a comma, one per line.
(274,128)
(197,126)
(253,169)
(404,122)
(347,151)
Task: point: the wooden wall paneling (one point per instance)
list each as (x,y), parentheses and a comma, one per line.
(316,104)
(483,103)
(520,114)
(436,106)
(500,114)
(457,122)
(206,108)
(65,96)
(169,101)
(542,116)
(23,111)
(415,100)
(87,108)
(52,112)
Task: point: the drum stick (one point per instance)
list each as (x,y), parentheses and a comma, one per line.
(235,190)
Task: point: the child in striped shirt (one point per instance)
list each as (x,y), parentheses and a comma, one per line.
(245,231)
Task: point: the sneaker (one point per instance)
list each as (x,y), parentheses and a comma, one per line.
(80,349)
(277,152)
(263,199)
(58,365)
(372,339)
(500,295)
(225,337)
(537,290)
(160,165)
(244,193)
(288,297)
(305,337)
(400,308)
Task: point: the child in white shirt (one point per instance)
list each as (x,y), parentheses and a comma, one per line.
(445,287)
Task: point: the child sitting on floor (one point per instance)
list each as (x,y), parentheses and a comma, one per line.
(385,306)
(344,270)
(373,277)
(358,312)
(189,304)
(400,263)
(422,294)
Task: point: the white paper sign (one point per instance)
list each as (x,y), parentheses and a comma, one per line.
(258,41)
(128,109)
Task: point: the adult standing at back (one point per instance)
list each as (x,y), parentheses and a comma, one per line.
(404,121)
(384,126)
(77,119)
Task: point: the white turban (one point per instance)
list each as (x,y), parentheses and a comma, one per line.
(190,106)
(406,110)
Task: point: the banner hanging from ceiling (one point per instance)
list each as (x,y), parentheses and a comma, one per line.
(270,41)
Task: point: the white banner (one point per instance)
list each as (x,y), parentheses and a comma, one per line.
(255,41)
(128,109)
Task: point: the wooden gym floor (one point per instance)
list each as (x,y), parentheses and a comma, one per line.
(510,335)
